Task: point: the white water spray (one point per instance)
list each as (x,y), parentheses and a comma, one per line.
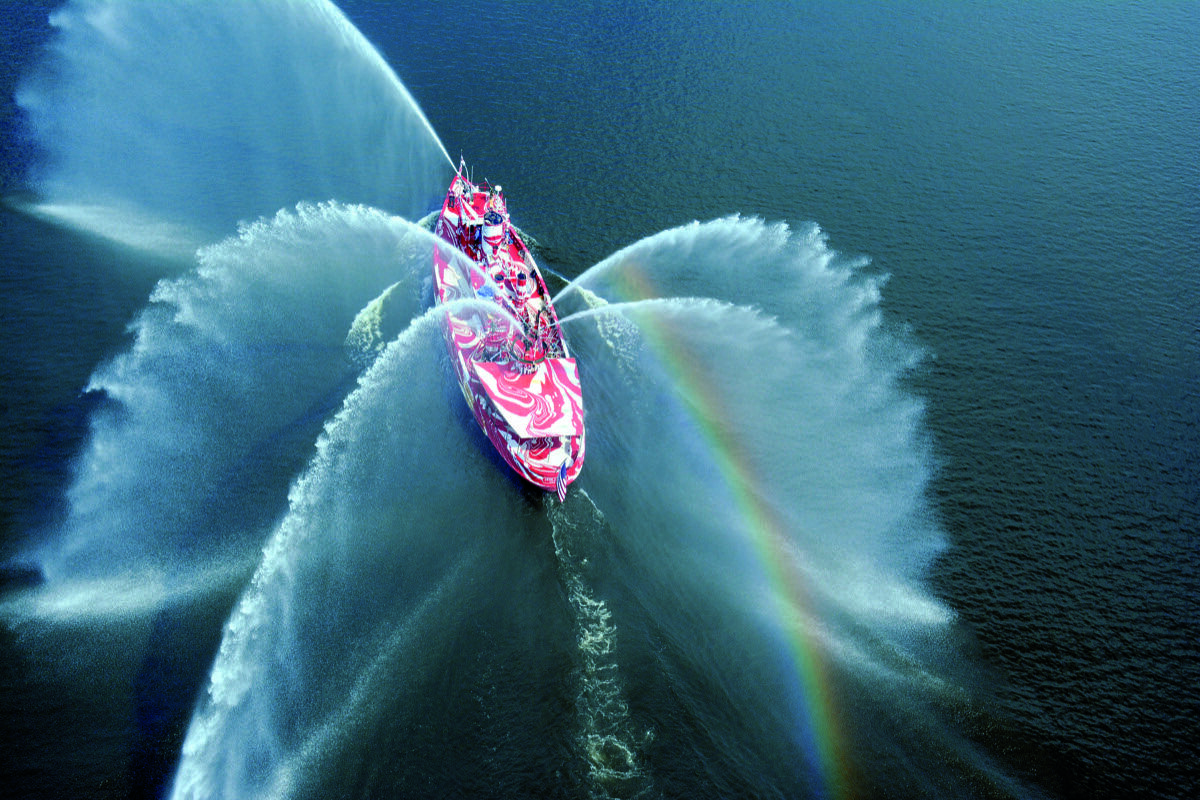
(375,540)
(232,371)
(189,116)
(771,424)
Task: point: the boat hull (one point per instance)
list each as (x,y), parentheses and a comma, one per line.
(513,367)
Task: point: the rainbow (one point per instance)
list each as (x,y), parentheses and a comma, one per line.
(820,735)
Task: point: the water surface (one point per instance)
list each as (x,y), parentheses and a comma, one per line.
(892,457)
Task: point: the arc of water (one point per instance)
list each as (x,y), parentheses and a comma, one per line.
(165,124)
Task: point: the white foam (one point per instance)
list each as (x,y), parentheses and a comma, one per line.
(606,739)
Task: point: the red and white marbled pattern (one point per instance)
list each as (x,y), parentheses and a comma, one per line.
(508,352)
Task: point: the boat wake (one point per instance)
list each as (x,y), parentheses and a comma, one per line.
(606,738)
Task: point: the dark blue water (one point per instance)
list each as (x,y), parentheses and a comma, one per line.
(246,562)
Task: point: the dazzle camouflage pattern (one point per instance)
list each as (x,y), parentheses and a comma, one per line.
(505,344)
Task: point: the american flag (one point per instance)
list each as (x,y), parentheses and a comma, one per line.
(560,483)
